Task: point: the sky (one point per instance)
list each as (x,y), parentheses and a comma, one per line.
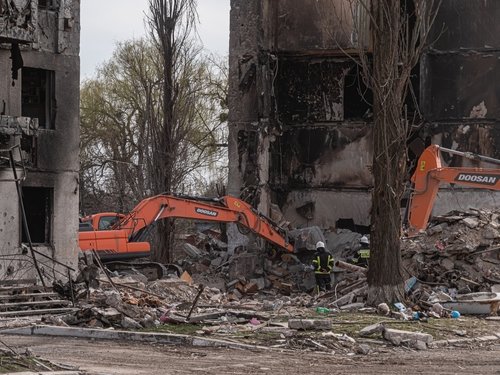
(118,20)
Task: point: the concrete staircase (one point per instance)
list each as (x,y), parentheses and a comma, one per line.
(24,298)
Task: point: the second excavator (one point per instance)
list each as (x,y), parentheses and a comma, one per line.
(430,174)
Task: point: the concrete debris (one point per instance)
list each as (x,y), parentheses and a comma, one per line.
(459,258)
(255,290)
(371,329)
(413,339)
(363,349)
(306,239)
(416,340)
(383,309)
(310,324)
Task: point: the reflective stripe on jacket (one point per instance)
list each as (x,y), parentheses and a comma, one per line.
(364,253)
(323,263)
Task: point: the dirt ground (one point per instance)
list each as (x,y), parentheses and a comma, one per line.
(110,357)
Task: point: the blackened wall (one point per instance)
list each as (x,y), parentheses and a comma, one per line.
(300,115)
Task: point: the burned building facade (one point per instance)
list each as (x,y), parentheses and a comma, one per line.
(39,133)
(300,114)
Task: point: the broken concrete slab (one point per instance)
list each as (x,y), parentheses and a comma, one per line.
(371,329)
(436,229)
(244,265)
(128,323)
(310,324)
(353,306)
(398,337)
(192,251)
(260,282)
(306,238)
(471,222)
(363,349)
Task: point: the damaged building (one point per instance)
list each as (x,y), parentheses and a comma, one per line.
(39,136)
(301,118)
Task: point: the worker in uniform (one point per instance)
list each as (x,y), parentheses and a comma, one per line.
(323,266)
(362,256)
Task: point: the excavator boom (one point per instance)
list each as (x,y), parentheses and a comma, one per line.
(226,209)
(430,174)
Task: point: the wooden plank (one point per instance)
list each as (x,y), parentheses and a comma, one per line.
(38,312)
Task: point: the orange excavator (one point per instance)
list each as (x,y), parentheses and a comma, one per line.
(121,236)
(430,174)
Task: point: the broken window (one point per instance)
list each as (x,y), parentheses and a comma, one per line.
(310,90)
(38,96)
(38,204)
(358,98)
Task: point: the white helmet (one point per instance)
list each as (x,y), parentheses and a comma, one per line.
(320,244)
(364,240)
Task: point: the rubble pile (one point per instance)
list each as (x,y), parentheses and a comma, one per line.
(129,302)
(252,269)
(350,290)
(268,295)
(459,254)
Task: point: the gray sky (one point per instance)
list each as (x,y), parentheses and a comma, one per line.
(105,22)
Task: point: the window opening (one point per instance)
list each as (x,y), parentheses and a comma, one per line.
(38,96)
(38,204)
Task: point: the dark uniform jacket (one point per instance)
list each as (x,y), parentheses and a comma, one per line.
(323,263)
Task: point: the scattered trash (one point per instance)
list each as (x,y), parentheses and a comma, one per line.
(322,310)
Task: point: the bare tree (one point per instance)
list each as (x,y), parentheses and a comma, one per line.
(398,36)
(120,112)
(172,24)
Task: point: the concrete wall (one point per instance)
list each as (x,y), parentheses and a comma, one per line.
(459,93)
(293,137)
(54,161)
(300,115)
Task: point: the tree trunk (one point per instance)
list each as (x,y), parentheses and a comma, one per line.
(389,157)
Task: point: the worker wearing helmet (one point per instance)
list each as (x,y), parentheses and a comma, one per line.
(323,266)
(363,254)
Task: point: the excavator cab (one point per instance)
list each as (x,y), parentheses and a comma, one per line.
(103,220)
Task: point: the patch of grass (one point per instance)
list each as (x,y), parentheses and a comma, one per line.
(18,363)
(181,329)
(444,328)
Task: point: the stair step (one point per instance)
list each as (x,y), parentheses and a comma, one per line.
(4,306)
(30,288)
(38,312)
(27,295)
(17,282)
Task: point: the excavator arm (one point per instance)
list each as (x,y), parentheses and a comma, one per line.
(226,209)
(430,174)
